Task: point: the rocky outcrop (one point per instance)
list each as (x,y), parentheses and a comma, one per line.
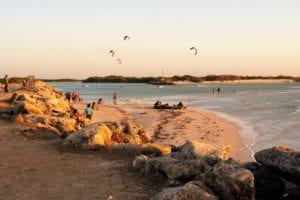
(105,134)
(283,160)
(41,107)
(190,166)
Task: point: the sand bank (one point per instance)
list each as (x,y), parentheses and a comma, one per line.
(175,126)
(238,81)
(254,81)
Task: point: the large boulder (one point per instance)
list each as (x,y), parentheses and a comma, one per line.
(192,190)
(170,168)
(196,150)
(90,137)
(284,160)
(268,186)
(228,180)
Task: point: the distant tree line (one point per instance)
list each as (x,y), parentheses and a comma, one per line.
(12,80)
(159,80)
(170,80)
(60,80)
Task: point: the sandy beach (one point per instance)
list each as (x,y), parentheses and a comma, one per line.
(174,127)
(56,174)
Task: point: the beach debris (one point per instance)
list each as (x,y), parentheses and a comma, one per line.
(195,50)
(112,52)
(119,61)
(126,37)
(284,160)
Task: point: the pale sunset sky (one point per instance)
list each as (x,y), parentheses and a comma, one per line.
(72,38)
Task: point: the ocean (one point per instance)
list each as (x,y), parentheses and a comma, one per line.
(268,113)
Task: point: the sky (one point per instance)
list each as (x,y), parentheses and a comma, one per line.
(72,38)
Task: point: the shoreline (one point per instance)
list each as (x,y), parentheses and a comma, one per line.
(244,132)
(238,81)
(174,127)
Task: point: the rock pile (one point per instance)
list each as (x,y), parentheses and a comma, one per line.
(200,171)
(105,134)
(277,173)
(40,106)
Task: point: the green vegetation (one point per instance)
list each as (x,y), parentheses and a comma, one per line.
(60,80)
(171,80)
(12,80)
(122,79)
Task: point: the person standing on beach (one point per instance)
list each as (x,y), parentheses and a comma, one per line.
(114,97)
(88,112)
(219,90)
(6,80)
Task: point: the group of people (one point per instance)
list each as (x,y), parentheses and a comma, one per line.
(88,112)
(72,96)
(159,105)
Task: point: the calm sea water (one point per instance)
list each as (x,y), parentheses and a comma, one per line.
(268,114)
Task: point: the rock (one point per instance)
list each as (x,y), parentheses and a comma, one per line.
(192,190)
(89,137)
(252,166)
(21,98)
(40,133)
(6,110)
(193,149)
(57,124)
(164,149)
(185,170)
(140,162)
(6,117)
(292,191)
(135,149)
(284,160)
(170,168)
(228,180)
(268,186)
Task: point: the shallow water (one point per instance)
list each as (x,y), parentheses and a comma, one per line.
(268,113)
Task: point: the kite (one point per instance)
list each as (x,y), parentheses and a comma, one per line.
(119,61)
(194,48)
(112,52)
(126,37)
